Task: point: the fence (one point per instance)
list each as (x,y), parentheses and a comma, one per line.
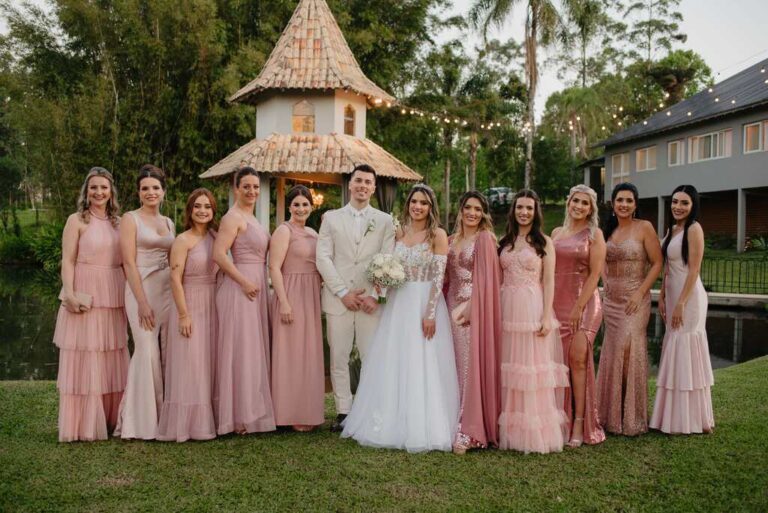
(735,276)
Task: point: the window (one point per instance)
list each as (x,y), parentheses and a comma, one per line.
(716,145)
(646,158)
(754,137)
(304,117)
(349,120)
(619,168)
(675,153)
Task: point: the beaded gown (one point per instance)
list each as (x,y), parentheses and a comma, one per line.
(683,397)
(533,376)
(571,271)
(408,395)
(93,345)
(622,377)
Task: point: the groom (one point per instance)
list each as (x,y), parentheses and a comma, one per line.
(349,239)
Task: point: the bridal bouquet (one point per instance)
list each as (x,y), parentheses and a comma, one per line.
(385,271)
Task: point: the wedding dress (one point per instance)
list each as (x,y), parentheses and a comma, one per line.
(408,397)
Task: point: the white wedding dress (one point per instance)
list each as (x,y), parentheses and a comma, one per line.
(408,397)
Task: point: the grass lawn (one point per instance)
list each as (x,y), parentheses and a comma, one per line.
(725,471)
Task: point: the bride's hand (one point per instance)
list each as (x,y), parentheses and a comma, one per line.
(428,327)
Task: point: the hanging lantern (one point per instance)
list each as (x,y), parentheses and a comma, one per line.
(317,198)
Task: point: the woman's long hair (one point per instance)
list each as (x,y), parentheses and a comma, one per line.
(536,236)
(83,205)
(592,221)
(486,223)
(202,191)
(611,222)
(691,191)
(433,222)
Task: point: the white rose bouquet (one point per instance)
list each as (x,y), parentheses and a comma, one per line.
(385,271)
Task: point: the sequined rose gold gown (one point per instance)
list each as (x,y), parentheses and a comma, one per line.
(571,271)
(622,377)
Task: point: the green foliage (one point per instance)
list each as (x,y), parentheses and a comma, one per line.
(15,249)
(46,246)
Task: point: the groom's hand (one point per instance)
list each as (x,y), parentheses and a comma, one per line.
(369,304)
(352,300)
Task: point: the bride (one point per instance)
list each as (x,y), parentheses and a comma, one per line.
(408,397)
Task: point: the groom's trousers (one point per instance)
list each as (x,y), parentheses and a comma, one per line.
(344,330)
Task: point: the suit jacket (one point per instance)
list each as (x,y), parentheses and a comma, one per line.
(342,260)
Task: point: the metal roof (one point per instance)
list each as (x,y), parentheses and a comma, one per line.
(745,90)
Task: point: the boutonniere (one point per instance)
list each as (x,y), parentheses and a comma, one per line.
(369,228)
(395,223)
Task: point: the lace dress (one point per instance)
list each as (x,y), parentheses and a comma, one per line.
(408,396)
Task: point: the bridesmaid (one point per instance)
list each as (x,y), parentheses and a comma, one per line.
(580,253)
(187,411)
(298,380)
(146,237)
(632,264)
(241,397)
(533,375)
(472,294)
(683,398)
(91,328)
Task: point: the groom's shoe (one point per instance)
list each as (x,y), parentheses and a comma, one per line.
(336,426)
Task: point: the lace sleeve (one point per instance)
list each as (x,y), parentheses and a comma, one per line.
(437,273)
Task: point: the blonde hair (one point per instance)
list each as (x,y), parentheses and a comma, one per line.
(592,220)
(433,222)
(486,223)
(83,205)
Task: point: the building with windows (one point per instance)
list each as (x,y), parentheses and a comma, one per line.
(716,140)
(311,102)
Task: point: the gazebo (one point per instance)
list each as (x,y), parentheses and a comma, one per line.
(311,102)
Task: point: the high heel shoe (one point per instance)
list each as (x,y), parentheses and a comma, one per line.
(577,442)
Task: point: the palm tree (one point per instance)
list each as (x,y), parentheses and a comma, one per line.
(542,24)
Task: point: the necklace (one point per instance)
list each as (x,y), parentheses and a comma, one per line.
(103,218)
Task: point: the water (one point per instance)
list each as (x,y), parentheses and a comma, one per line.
(28,306)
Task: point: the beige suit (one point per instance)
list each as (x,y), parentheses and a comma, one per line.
(342,258)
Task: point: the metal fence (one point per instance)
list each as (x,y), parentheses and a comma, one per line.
(735,276)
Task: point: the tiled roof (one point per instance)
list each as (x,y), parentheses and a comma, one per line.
(309,153)
(742,91)
(311,54)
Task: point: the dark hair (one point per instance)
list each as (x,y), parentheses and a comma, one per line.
(202,191)
(298,190)
(536,236)
(150,171)
(691,191)
(363,168)
(242,172)
(611,222)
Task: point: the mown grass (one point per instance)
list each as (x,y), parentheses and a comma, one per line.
(285,471)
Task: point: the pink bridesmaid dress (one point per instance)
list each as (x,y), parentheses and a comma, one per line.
(187,411)
(533,376)
(298,380)
(93,356)
(683,397)
(571,271)
(241,397)
(143,398)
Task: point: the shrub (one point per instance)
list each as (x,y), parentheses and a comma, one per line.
(15,249)
(46,246)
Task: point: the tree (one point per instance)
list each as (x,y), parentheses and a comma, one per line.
(680,74)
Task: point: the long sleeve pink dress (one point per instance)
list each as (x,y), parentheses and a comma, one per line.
(571,271)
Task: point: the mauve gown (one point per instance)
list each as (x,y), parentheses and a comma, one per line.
(242,399)
(187,411)
(93,346)
(571,271)
(298,380)
(623,403)
(683,397)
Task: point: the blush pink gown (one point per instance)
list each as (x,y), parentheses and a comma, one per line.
(533,376)
(93,346)
(683,397)
(298,380)
(241,398)
(571,271)
(622,377)
(187,411)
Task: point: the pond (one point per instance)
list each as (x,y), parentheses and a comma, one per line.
(28,308)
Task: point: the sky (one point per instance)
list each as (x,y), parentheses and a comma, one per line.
(730,35)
